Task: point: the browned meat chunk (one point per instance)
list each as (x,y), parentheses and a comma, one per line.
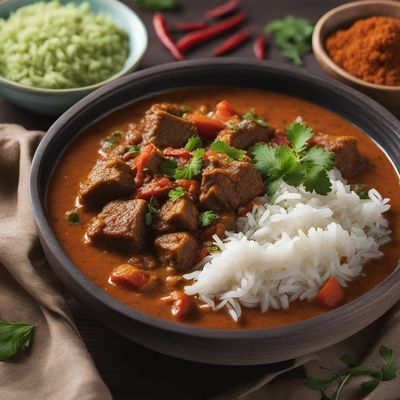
(347,158)
(244,133)
(154,160)
(228,220)
(172,108)
(165,129)
(120,226)
(107,181)
(143,261)
(177,250)
(179,215)
(229,186)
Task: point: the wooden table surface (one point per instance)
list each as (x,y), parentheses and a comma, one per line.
(131,371)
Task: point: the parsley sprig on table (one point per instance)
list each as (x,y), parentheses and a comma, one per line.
(296,164)
(13,338)
(386,373)
(193,168)
(292,36)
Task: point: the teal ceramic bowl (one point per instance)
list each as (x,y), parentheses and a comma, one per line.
(56,101)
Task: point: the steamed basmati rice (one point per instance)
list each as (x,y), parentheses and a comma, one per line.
(54,46)
(286,250)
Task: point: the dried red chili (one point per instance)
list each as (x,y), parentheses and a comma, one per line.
(160,27)
(232,42)
(187,26)
(259,47)
(194,38)
(222,10)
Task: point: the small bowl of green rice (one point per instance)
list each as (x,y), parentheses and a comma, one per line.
(54,52)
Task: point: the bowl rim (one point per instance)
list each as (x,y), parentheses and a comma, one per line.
(110,303)
(319,47)
(143,44)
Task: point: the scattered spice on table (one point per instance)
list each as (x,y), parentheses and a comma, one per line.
(223,9)
(292,36)
(232,42)
(369,50)
(259,47)
(194,38)
(160,27)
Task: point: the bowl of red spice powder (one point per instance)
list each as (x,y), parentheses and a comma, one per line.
(358,43)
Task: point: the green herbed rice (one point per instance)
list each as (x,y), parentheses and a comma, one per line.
(54,46)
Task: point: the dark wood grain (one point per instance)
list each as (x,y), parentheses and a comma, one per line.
(129,370)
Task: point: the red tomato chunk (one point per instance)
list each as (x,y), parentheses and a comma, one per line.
(126,274)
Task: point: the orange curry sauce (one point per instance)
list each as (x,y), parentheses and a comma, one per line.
(280,111)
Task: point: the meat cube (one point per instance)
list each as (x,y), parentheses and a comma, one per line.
(230,186)
(164,129)
(107,181)
(178,215)
(244,133)
(120,226)
(154,160)
(143,261)
(228,220)
(347,158)
(177,250)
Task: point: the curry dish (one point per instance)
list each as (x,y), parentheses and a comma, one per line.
(138,198)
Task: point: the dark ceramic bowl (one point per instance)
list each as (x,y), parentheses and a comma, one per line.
(233,347)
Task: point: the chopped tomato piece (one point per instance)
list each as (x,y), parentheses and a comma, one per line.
(191,186)
(154,188)
(330,295)
(207,127)
(126,274)
(140,163)
(178,153)
(224,111)
(182,304)
(201,253)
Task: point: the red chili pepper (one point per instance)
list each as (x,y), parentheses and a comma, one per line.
(160,26)
(259,47)
(177,153)
(223,9)
(140,163)
(154,188)
(232,42)
(224,111)
(207,128)
(186,26)
(192,39)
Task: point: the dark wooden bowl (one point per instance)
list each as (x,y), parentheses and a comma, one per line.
(229,347)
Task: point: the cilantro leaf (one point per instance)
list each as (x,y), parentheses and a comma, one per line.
(295,175)
(72,217)
(316,179)
(134,149)
(207,218)
(264,158)
(168,167)
(111,141)
(14,337)
(193,168)
(157,4)
(176,193)
(318,156)
(298,136)
(194,143)
(222,147)
(153,208)
(272,186)
(251,114)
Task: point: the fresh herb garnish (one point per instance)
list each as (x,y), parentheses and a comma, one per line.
(72,217)
(134,149)
(193,168)
(296,164)
(340,379)
(183,110)
(292,36)
(362,190)
(14,337)
(194,143)
(157,4)
(153,208)
(207,217)
(222,147)
(231,127)
(112,140)
(176,193)
(363,195)
(168,167)
(251,115)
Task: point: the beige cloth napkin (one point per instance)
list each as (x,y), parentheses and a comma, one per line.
(58,365)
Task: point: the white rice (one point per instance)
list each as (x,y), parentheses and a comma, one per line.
(286,250)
